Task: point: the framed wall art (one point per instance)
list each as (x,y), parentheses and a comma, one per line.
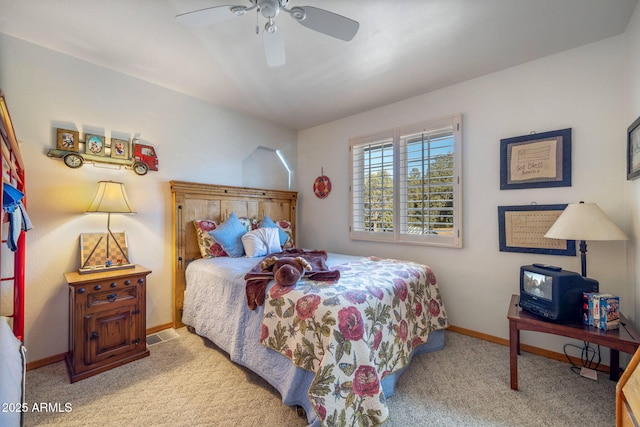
(119,149)
(633,150)
(68,140)
(94,144)
(522,229)
(536,160)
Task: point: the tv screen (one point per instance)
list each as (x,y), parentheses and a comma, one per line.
(537,285)
(554,293)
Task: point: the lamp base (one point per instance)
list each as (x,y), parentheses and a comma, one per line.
(103,268)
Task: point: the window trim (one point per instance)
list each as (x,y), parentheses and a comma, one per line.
(453,122)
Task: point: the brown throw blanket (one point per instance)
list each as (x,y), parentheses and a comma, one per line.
(257,279)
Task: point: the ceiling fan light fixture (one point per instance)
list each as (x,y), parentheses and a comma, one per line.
(269,8)
(298,13)
(239,10)
(270,27)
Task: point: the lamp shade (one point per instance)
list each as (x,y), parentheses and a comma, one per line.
(111,198)
(584,221)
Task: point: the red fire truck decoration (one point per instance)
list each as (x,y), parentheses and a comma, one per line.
(94,149)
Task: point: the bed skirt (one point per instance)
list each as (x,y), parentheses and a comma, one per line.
(293,385)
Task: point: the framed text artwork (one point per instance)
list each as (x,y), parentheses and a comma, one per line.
(536,160)
(522,229)
(633,150)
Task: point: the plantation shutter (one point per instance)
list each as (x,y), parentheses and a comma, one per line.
(373,186)
(427,182)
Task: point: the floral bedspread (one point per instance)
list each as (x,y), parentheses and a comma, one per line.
(353,332)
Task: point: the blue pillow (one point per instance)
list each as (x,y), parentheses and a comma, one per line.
(229,236)
(267,222)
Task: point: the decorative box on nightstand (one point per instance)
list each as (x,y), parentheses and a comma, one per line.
(107,320)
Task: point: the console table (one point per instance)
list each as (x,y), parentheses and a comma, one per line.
(625,339)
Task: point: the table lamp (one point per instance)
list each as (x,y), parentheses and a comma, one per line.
(110,197)
(584,221)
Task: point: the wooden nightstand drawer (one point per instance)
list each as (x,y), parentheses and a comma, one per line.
(114,297)
(107,320)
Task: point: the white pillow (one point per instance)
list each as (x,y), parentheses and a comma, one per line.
(261,242)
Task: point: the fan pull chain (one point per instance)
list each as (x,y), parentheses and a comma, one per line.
(257,26)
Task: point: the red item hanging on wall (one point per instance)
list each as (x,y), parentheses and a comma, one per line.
(322,186)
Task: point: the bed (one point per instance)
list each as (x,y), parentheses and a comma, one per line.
(12,278)
(334,349)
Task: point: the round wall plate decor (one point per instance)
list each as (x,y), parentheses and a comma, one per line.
(322,187)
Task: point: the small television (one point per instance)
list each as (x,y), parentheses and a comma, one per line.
(554,293)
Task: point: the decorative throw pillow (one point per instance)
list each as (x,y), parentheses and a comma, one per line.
(285,226)
(229,235)
(261,242)
(267,222)
(209,248)
(248,223)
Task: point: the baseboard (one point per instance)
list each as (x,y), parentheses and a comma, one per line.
(159,328)
(46,361)
(524,347)
(475,334)
(60,357)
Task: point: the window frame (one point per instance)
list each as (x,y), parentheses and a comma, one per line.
(452,123)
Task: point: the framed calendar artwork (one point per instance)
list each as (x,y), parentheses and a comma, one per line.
(522,229)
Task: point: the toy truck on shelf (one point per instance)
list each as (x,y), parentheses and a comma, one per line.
(137,156)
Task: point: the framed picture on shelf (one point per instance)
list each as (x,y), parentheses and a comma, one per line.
(536,160)
(522,229)
(119,149)
(633,150)
(68,140)
(94,144)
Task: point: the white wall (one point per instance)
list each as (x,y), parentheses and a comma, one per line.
(632,111)
(581,89)
(195,141)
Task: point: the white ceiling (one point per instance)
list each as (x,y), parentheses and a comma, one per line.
(403,48)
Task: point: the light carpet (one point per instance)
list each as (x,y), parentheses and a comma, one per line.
(188,381)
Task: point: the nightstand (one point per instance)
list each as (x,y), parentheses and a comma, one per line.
(107,320)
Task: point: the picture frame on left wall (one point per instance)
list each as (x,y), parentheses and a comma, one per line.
(68,140)
(633,150)
(94,144)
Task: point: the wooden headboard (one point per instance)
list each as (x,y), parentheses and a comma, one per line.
(192,201)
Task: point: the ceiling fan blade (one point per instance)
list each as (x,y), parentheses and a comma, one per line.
(274,48)
(206,17)
(329,23)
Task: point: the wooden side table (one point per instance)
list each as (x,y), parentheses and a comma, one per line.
(107,320)
(625,339)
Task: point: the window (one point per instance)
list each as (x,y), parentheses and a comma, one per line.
(405,184)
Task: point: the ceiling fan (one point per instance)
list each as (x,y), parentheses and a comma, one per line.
(320,20)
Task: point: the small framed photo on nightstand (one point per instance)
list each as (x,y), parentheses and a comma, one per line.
(101,251)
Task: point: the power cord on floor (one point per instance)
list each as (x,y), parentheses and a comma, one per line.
(590,357)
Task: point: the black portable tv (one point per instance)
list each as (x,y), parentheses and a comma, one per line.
(554,293)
